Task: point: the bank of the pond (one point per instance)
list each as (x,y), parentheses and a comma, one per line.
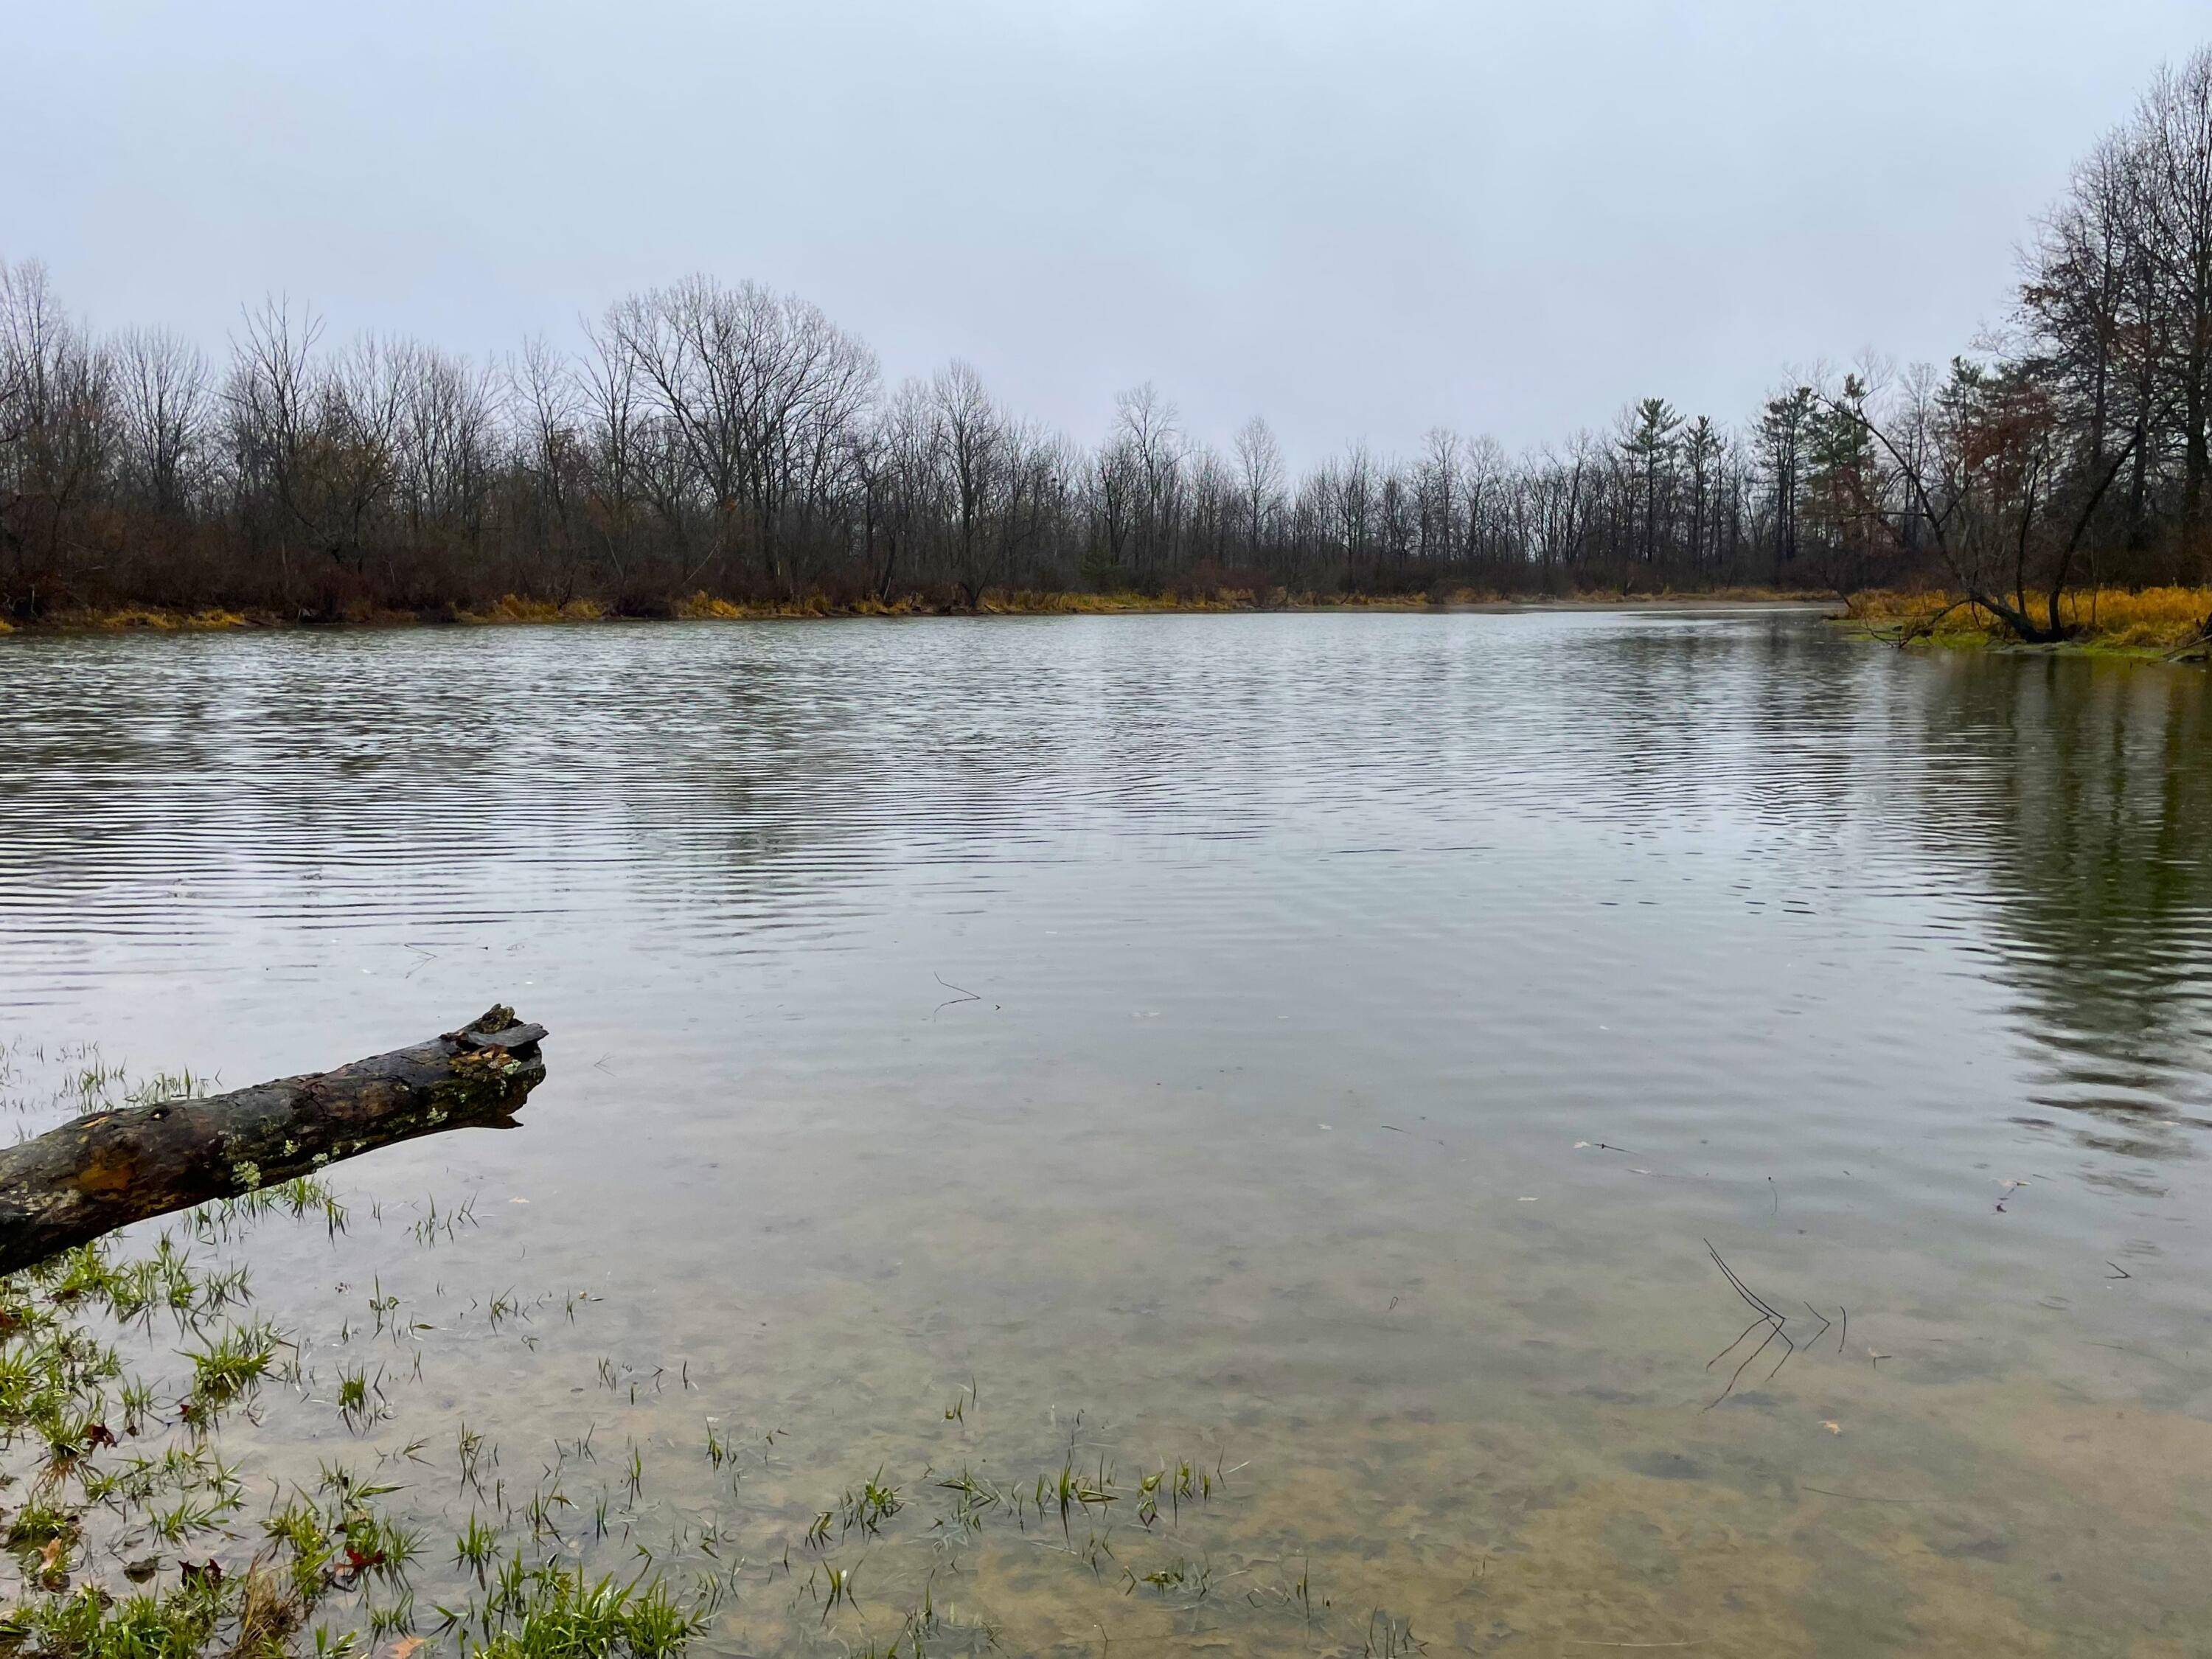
(2152,623)
(512,610)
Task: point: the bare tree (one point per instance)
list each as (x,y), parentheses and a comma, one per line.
(1258,482)
(165,402)
(1148,425)
(614,420)
(971,439)
(56,391)
(2175,201)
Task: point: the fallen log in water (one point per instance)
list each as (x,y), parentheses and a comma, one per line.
(109,1169)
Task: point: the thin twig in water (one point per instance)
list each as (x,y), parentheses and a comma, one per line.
(1862,1497)
(1395,1130)
(1741,1288)
(966,995)
(1731,1347)
(1768,1316)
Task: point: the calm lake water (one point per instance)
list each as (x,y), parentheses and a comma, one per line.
(1318,1047)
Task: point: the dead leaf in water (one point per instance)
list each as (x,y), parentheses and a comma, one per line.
(1833,1428)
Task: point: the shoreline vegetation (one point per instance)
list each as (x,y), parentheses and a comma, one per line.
(720,440)
(512,610)
(2172,625)
(2163,624)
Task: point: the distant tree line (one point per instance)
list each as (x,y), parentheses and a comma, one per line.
(736,442)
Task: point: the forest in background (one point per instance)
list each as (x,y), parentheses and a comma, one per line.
(725,442)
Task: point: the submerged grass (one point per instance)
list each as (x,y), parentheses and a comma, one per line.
(554,1613)
(121,1484)
(113,1482)
(128,1533)
(67,1407)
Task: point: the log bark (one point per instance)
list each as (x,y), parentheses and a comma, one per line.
(108,1169)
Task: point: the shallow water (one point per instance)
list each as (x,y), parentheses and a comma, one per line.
(1320,1047)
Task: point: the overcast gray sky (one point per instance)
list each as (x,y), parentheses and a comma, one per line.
(1360,218)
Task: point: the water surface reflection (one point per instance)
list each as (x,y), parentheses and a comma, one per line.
(1371,1017)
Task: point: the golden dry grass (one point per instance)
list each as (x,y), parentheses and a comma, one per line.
(993,602)
(1026,603)
(2162,620)
(513,608)
(145,619)
(705,607)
